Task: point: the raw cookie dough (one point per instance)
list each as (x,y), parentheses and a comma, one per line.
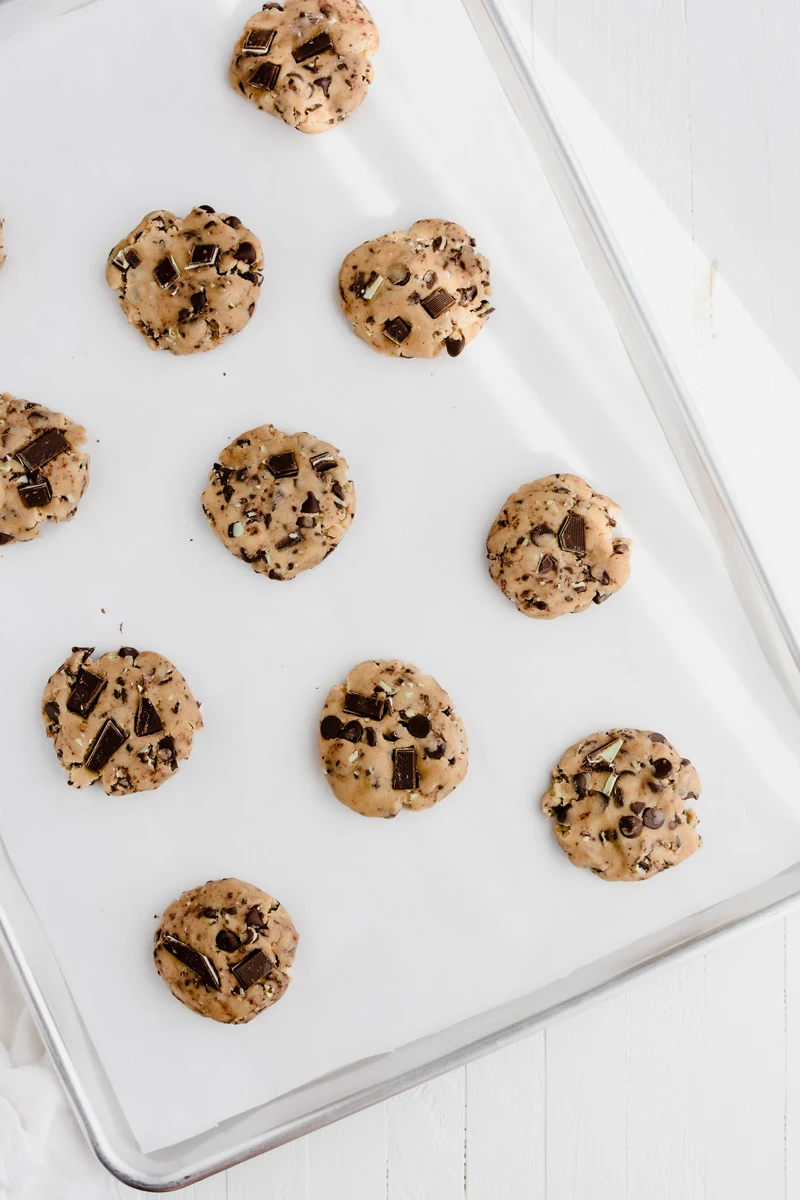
(389,739)
(554,549)
(411,295)
(225,950)
(307,62)
(281,502)
(127,719)
(43,470)
(619,804)
(188,283)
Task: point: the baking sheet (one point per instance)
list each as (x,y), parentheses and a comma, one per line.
(411,925)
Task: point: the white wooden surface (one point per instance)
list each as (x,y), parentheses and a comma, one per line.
(687,1088)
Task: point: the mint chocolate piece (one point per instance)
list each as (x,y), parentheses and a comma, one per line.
(396,330)
(133,258)
(323,462)
(290,540)
(204,254)
(252,968)
(44,448)
(572,534)
(166,272)
(85,693)
(317,45)
(265,77)
(35,495)
(147,720)
(258,41)
(107,743)
(404,776)
(372,707)
(282,466)
(193,959)
(438,302)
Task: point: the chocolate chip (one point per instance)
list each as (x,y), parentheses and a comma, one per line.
(638,807)
(206,208)
(323,462)
(265,77)
(290,540)
(107,742)
(437,752)
(657,737)
(655,787)
(630,827)
(662,767)
(282,466)
(454,346)
(255,918)
(52,710)
(167,747)
(396,330)
(193,959)
(252,968)
(310,504)
(199,301)
(581,782)
(42,449)
(324,84)
(210,913)
(541,531)
(391,736)
(546,564)
(372,707)
(147,719)
(234,222)
(227,940)
(127,652)
(419,726)
(561,813)
(467,295)
(654,818)
(371,736)
(36,495)
(317,45)
(330,727)
(352,732)
(258,41)
(204,254)
(404,775)
(5,538)
(166,272)
(438,302)
(85,693)
(246,252)
(133,258)
(572,534)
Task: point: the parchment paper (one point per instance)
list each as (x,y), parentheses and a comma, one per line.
(407,926)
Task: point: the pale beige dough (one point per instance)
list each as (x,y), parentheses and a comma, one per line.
(226,921)
(66,474)
(359,752)
(133,681)
(201,305)
(621,804)
(533,556)
(385,285)
(322,90)
(254,514)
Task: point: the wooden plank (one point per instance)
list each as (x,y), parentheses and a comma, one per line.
(586,1103)
(425,1141)
(506,1123)
(280,1175)
(348,1159)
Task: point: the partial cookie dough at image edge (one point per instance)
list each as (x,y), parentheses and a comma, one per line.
(225,950)
(125,720)
(620,804)
(307,62)
(414,294)
(389,738)
(43,469)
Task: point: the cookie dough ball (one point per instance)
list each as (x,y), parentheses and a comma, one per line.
(389,739)
(554,548)
(307,63)
(126,720)
(225,950)
(411,295)
(281,502)
(619,802)
(187,284)
(43,470)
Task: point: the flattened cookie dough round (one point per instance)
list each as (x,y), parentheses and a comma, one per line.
(43,468)
(620,804)
(554,548)
(225,950)
(307,62)
(390,739)
(414,294)
(281,502)
(125,720)
(187,283)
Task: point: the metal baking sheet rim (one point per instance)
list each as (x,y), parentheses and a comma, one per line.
(188,1162)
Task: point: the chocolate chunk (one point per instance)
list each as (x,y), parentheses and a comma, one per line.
(310,504)
(107,742)
(204,254)
(324,84)
(227,940)
(372,707)
(662,767)
(290,540)
(36,495)
(252,968)
(654,818)
(147,720)
(167,746)
(5,538)
(418,726)
(210,913)
(206,208)
(371,736)
(265,77)
(437,752)
(52,710)
(467,295)
(454,346)
(258,41)
(655,787)
(337,489)
(323,462)
(255,918)
(438,302)
(283,466)
(396,330)
(127,652)
(541,531)
(330,727)
(246,252)
(404,775)
(166,272)
(353,731)
(546,564)
(234,222)
(572,534)
(657,737)
(581,782)
(317,45)
(42,449)
(630,827)
(133,258)
(638,807)
(85,693)
(199,300)
(193,959)
(600,597)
